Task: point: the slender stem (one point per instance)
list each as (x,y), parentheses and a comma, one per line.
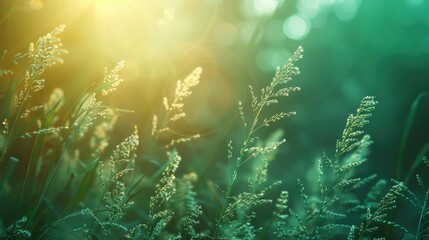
(239,160)
(324,199)
(422,213)
(406,134)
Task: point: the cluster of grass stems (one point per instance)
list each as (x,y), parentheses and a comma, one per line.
(61,191)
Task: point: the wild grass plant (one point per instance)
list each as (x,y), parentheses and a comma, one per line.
(59,190)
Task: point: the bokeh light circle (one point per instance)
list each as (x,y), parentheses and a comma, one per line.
(263,7)
(346,10)
(296,27)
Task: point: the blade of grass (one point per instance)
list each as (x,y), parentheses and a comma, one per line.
(10,168)
(38,142)
(419,233)
(405,135)
(85,185)
(76,106)
(37,147)
(417,162)
(52,167)
(401,157)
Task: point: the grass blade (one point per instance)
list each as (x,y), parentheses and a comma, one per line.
(406,133)
(85,185)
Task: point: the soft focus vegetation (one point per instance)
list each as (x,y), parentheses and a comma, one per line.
(128,119)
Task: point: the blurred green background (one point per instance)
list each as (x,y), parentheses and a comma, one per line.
(353,48)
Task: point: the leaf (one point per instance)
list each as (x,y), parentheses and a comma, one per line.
(38,143)
(85,185)
(417,162)
(408,125)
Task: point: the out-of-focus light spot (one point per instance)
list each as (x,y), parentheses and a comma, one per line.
(308,7)
(256,8)
(269,59)
(247,9)
(264,7)
(273,31)
(312,8)
(225,34)
(413,2)
(346,10)
(296,27)
(35,4)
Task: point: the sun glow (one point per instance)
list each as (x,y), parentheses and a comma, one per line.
(159,41)
(111,2)
(141,29)
(112,6)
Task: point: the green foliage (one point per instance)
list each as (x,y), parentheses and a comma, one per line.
(186,208)
(234,221)
(16,231)
(68,191)
(174,110)
(159,213)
